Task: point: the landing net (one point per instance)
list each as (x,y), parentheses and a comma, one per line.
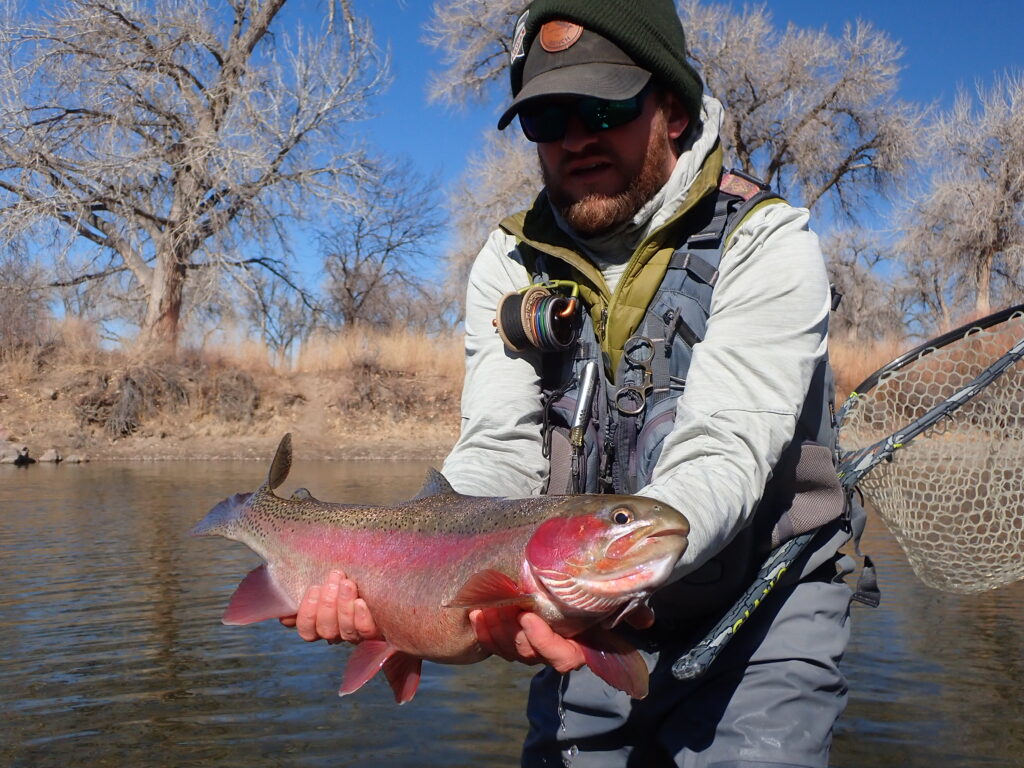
(953,496)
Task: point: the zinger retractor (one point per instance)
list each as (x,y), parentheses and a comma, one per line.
(536,316)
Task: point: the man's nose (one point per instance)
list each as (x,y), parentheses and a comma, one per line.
(576,135)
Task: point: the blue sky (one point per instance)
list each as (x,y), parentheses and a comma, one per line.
(947,44)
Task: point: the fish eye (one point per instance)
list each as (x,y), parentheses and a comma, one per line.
(622,516)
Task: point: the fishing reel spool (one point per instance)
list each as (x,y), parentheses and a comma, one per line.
(540,318)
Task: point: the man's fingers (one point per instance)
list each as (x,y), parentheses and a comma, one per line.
(327,609)
(362,621)
(305,619)
(498,631)
(561,653)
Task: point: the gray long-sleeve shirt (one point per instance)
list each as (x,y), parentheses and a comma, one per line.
(745,386)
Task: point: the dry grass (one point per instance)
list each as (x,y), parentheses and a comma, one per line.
(409,352)
(853,361)
(348,393)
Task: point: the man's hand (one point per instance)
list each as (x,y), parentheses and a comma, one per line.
(333,612)
(525,637)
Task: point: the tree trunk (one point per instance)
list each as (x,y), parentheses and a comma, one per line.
(163,311)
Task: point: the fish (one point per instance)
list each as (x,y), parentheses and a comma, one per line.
(582,562)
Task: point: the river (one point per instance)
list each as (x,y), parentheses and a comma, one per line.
(113,653)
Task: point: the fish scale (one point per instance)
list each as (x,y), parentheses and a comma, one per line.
(421,566)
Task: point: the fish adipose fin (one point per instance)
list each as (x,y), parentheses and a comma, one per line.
(258,598)
(489,589)
(615,661)
(367,659)
(435,484)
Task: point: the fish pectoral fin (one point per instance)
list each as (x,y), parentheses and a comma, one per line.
(403,673)
(615,661)
(489,589)
(366,661)
(258,598)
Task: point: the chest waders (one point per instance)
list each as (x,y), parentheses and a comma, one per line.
(633,409)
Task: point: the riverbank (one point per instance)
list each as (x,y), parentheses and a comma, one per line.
(365,395)
(375,399)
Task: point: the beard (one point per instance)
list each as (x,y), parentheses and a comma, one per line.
(596,213)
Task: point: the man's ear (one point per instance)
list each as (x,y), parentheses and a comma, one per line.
(677,117)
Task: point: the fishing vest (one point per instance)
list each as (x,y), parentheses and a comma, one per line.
(633,408)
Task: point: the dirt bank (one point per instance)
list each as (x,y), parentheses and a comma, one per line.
(116,409)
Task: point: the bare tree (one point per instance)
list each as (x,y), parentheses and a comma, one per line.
(501,178)
(474,40)
(964,238)
(373,256)
(169,136)
(814,115)
(24,316)
(872,305)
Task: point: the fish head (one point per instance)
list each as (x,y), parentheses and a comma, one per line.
(601,552)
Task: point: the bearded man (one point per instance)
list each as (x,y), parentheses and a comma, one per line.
(706,307)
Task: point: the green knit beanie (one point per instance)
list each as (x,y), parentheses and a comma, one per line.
(649,31)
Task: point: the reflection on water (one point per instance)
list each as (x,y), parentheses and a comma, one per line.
(113,653)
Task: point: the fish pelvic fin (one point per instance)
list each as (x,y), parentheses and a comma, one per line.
(489,589)
(435,484)
(258,598)
(614,660)
(282,463)
(222,519)
(369,657)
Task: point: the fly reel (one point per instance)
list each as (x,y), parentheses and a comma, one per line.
(537,317)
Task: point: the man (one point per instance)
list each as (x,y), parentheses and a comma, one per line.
(706,308)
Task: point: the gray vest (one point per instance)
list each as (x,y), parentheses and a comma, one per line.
(634,412)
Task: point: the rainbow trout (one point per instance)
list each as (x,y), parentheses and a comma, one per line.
(580,562)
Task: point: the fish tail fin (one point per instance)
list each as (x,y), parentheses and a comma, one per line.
(224,517)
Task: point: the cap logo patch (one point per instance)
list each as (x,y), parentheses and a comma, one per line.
(518,35)
(556,36)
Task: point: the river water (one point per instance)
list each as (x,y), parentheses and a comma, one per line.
(112,652)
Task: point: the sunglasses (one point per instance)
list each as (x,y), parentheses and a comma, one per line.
(549,120)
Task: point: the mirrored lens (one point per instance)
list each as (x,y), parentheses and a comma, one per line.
(548,121)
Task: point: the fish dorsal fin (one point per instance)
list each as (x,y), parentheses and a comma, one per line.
(282,463)
(435,484)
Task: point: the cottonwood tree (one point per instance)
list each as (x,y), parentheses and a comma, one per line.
(873,304)
(813,115)
(964,239)
(374,255)
(500,178)
(176,137)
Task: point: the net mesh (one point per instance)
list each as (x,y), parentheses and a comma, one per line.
(953,497)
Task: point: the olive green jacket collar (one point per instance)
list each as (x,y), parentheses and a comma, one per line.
(616,315)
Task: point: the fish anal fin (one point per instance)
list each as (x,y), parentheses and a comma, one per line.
(614,660)
(488,589)
(366,661)
(403,673)
(282,463)
(258,598)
